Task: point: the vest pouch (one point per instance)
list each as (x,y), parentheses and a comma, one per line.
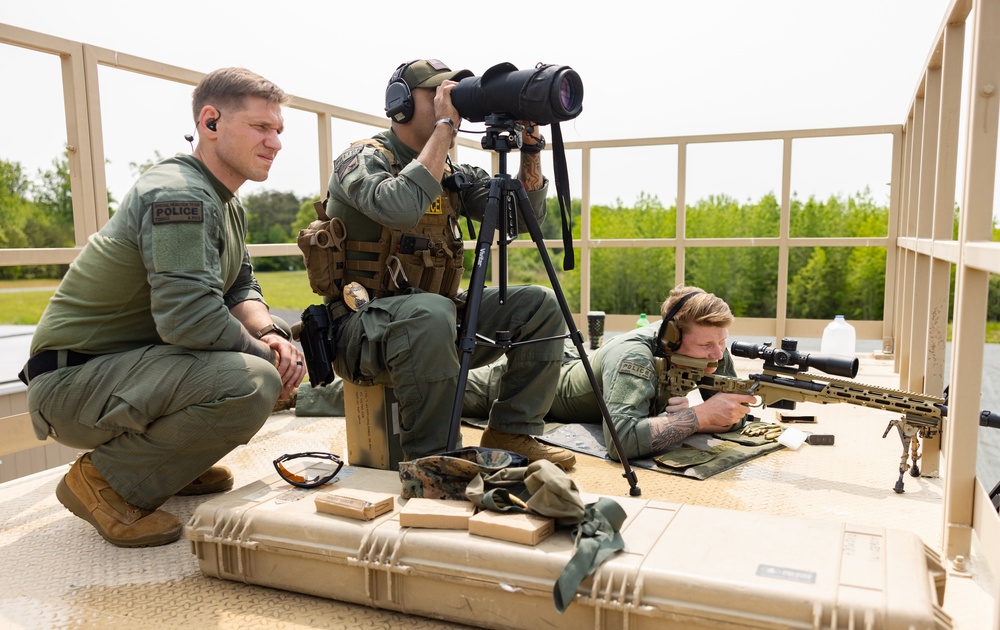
(322,246)
(433,273)
(452,280)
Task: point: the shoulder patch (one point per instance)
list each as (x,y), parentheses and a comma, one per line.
(347,161)
(636,369)
(177,212)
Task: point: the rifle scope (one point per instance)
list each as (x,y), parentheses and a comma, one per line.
(788,359)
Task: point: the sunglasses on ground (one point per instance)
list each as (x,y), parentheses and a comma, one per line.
(322,475)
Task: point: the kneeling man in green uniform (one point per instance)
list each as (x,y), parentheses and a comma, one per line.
(157,353)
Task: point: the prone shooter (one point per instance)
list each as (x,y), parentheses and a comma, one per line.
(784,383)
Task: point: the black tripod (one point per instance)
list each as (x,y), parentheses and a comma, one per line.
(505,196)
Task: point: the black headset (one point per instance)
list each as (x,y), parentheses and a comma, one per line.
(669,336)
(398,98)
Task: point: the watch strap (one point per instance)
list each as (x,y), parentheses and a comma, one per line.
(271,328)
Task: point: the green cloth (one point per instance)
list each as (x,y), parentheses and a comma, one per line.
(702,456)
(597,537)
(327,400)
(539,488)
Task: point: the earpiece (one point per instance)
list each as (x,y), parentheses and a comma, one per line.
(669,336)
(211,124)
(398,98)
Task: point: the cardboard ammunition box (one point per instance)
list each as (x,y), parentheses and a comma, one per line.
(526,529)
(372,416)
(436,513)
(354,503)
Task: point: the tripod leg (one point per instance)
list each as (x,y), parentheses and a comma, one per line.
(474,298)
(575,334)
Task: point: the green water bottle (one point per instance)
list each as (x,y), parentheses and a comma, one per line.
(642,321)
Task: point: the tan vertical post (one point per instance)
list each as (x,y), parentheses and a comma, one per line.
(975,224)
(586,253)
(680,251)
(784,234)
(939,279)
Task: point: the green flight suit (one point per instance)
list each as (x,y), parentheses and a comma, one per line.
(625,373)
(169,392)
(407,342)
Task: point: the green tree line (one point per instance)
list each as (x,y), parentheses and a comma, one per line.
(823,281)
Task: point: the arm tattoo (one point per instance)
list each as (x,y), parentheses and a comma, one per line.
(530,173)
(671,429)
(248,345)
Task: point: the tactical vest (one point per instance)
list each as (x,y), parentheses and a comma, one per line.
(428,257)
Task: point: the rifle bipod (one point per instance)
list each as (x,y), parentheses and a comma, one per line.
(909,437)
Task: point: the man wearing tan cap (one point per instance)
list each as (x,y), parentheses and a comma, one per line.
(400,198)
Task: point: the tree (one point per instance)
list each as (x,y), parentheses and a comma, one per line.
(15,208)
(271,217)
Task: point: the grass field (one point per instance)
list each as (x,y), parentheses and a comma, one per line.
(285,290)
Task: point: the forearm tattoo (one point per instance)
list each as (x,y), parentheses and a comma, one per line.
(671,429)
(531,172)
(249,345)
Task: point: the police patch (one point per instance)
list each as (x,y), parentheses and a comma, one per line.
(436,207)
(347,162)
(636,369)
(165,212)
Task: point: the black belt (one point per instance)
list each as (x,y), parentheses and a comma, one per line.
(48,360)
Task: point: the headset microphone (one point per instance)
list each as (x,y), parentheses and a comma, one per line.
(189,137)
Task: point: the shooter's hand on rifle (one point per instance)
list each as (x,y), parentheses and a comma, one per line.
(720,412)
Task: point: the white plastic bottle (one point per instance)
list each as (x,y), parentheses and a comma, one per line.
(642,321)
(838,338)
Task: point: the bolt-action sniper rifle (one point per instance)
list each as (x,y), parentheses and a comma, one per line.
(784,383)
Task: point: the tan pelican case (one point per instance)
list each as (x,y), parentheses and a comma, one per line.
(684,566)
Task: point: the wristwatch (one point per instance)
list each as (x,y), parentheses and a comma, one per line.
(271,328)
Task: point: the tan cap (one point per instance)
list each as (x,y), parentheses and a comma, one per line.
(430,73)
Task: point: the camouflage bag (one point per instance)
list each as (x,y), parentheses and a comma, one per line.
(446,475)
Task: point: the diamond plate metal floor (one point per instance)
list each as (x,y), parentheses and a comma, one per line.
(58,573)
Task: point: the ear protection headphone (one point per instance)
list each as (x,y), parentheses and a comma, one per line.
(669,336)
(398,98)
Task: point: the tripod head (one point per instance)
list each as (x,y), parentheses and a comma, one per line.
(503,133)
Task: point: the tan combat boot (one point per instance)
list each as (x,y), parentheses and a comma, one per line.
(527,446)
(215,479)
(85,493)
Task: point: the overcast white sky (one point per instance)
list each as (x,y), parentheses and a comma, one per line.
(649,68)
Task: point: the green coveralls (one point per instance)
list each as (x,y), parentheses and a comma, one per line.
(407,342)
(624,370)
(169,393)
